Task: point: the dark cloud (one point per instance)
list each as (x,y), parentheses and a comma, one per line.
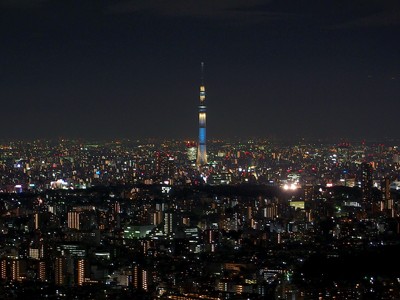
(320,14)
(385,18)
(242,10)
(364,14)
(183,7)
(22,3)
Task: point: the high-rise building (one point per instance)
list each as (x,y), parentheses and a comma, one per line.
(34,253)
(164,165)
(81,269)
(42,271)
(141,277)
(60,267)
(308,192)
(169,223)
(385,188)
(191,151)
(73,220)
(3,269)
(387,201)
(15,269)
(201,147)
(366,182)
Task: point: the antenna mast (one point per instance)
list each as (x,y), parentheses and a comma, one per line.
(202,73)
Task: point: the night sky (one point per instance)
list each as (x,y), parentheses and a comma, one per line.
(131,69)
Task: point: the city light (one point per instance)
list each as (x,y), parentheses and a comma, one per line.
(291,186)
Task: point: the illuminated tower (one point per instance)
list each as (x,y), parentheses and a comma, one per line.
(201,148)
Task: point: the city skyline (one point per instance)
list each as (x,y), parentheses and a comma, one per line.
(129,69)
(138,219)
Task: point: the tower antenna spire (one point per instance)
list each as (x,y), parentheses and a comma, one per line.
(202,73)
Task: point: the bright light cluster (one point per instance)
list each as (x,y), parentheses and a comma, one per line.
(291,186)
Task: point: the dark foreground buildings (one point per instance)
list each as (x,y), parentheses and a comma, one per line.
(138,220)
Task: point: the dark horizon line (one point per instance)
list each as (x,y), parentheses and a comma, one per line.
(337,140)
